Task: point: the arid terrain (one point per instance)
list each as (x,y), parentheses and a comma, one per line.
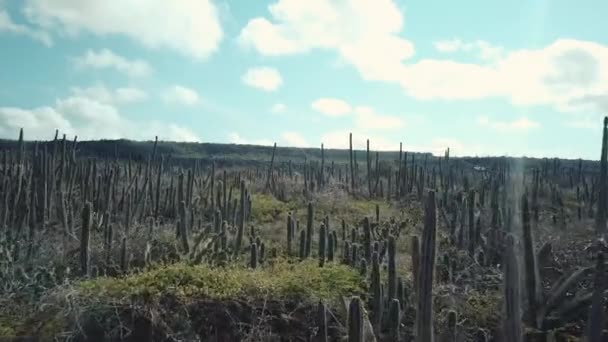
(159,241)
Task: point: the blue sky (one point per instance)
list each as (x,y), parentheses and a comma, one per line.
(515,77)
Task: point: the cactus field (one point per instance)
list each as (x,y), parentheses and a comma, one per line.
(311,245)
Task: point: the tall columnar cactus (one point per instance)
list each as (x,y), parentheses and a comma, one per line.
(309,228)
(322,245)
(367,238)
(424,314)
(352,167)
(376,292)
(241,219)
(532,284)
(472,235)
(355,320)
(415,259)
(322,321)
(512,327)
(596,320)
(369,171)
(452,321)
(124,259)
(85,236)
(289,233)
(331,247)
(600,218)
(183,227)
(392,268)
(302,253)
(394,319)
(253,259)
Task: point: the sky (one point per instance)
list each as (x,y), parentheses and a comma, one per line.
(519,77)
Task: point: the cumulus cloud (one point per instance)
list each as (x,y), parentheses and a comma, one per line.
(8,25)
(113,96)
(365,34)
(181,95)
(331,107)
(516,126)
(567,74)
(264,78)
(107,59)
(88,118)
(482,49)
(190,27)
(366,117)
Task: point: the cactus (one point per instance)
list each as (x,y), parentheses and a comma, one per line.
(600,218)
(512,327)
(241,219)
(85,236)
(355,320)
(415,259)
(309,228)
(376,292)
(392,268)
(253,259)
(331,247)
(532,283)
(363,268)
(354,255)
(394,318)
(302,244)
(472,236)
(367,238)
(452,322)
(424,314)
(322,245)
(124,262)
(289,233)
(183,232)
(322,321)
(596,320)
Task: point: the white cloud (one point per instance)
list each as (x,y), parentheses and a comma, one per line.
(181,95)
(278,108)
(481,48)
(7,25)
(105,95)
(106,59)
(519,125)
(264,78)
(367,118)
(235,138)
(294,139)
(363,33)
(191,27)
(331,107)
(87,117)
(567,74)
